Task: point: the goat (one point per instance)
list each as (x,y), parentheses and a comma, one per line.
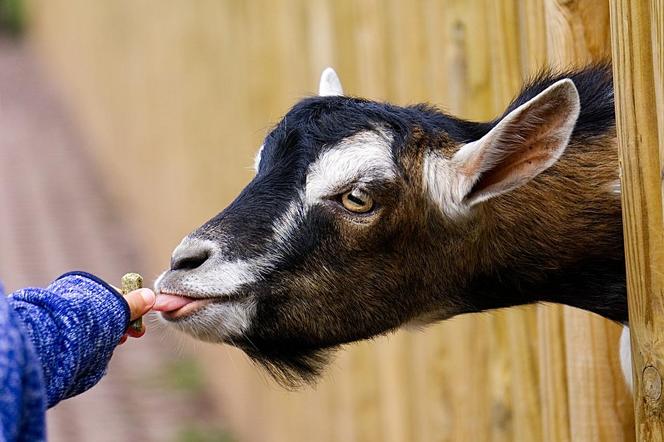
(365,216)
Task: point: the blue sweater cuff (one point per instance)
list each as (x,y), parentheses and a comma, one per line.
(105,285)
(74,325)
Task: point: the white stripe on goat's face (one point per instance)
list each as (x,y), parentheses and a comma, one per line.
(364,157)
(357,160)
(218,276)
(285,226)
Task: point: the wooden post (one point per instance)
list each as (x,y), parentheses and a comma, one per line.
(578,33)
(637,30)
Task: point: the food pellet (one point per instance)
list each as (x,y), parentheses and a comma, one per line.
(131,282)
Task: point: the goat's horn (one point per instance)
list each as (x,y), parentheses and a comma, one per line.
(330,84)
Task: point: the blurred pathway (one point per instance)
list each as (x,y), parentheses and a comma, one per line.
(55,217)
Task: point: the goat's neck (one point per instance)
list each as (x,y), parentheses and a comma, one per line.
(597,285)
(558,239)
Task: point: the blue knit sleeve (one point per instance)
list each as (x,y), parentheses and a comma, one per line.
(74,325)
(22,398)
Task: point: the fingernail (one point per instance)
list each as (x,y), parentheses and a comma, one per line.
(148,296)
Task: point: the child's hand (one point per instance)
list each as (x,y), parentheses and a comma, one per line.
(140,302)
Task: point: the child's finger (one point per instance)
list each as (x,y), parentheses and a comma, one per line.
(136,333)
(131,333)
(140,302)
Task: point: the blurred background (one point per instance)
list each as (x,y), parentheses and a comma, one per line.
(124,124)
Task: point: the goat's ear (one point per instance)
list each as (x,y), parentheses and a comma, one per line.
(330,84)
(523,144)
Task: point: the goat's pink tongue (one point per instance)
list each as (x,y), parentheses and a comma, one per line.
(168,303)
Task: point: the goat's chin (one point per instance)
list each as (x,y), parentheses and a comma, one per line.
(229,323)
(216,322)
(291,369)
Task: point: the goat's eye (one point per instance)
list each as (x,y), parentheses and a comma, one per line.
(357,201)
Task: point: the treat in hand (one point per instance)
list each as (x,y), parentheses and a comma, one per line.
(131,282)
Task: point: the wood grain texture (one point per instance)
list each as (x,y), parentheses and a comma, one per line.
(550,346)
(636,31)
(515,374)
(578,33)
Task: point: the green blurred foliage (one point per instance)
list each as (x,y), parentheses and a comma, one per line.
(197,434)
(184,374)
(12,16)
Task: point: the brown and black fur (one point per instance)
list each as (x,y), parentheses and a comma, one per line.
(556,239)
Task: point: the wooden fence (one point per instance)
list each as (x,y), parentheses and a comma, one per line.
(638,50)
(190,88)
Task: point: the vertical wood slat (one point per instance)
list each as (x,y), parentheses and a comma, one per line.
(514,381)
(577,34)
(638,53)
(550,325)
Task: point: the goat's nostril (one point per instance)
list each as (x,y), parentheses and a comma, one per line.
(189,261)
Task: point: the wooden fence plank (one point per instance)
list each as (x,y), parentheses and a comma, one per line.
(638,52)
(578,34)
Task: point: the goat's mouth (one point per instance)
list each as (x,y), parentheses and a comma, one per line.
(175,306)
